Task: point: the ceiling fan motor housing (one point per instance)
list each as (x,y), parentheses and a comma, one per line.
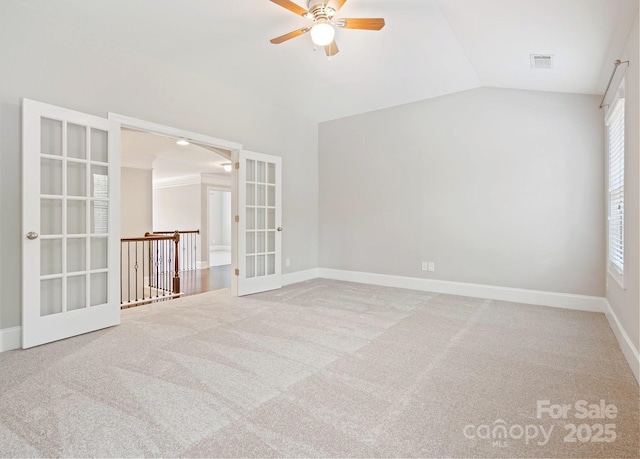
(320,11)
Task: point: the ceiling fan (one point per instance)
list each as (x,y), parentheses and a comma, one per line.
(322,13)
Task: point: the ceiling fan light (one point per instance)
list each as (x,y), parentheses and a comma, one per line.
(322,33)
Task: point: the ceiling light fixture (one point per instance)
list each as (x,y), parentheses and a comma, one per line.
(182,142)
(322,33)
(227,167)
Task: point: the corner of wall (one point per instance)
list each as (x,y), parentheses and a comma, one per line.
(626,345)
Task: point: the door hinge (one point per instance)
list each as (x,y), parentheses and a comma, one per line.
(237,218)
(237,165)
(237,272)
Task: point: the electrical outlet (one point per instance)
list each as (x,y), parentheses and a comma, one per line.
(425,266)
(287,262)
(431,267)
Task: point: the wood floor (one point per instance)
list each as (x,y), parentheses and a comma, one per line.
(205,280)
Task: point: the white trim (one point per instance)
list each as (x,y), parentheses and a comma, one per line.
(516,295)
(174,132)
(219,247)
(171,182)
(140,162)
(299,276)
(202,264)
(10,338)
(217,182)
(625,343)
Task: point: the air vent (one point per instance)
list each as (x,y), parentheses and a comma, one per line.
(541,61)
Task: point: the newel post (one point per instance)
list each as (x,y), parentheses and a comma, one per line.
(176,273)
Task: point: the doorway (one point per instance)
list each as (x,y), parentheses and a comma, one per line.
(184,171)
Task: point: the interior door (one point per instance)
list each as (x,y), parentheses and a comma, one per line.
(71,199)
(259,222)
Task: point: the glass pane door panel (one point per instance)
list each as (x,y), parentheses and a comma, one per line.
(50,256)
(76,292)
(98,289)
(271,264)
(261,242)
(50,216)
(261,173)
(50,137)
(271,196)
(99,254)
(99,182)
(271,219)
(271,173)
(99,217)
(251,218)
(251,170)
(261,195)
(99,146)
(251,266)
(50,297)
(260,217)
(51,177)
(76,217)
(271,241)
(76,179)
(260,265)
(76,254)
(251,194)
(76,141)
(251,242)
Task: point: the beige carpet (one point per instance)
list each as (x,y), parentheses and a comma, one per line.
(327,369)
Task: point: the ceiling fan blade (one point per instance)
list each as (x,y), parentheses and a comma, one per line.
(288,4)
(336,4)
(361,23)
(290,35)
(331,49)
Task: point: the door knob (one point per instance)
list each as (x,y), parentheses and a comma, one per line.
(279,228)
(32,235)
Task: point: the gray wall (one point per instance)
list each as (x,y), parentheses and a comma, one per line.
(497,187)
(626,302)
(136,202)
(49,60)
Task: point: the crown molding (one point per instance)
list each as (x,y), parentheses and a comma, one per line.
(172,182)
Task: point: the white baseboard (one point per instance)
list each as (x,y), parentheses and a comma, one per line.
(626,345)
(516,295)
(299,276)
(10,338)
(219,247)
(202,264)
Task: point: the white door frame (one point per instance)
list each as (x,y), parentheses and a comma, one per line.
(223,147)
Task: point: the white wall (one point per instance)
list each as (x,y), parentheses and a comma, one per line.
(219,218)
(176,208)
(136,202)
(47,59)
(626,302)
(497,187)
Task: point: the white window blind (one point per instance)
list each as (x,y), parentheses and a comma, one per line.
(615,144)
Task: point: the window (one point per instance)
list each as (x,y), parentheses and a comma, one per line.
(615,148)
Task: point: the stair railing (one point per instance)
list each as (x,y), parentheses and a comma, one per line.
(149,268)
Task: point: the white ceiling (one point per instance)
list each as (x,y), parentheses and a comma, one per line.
(428,47)
(167,159)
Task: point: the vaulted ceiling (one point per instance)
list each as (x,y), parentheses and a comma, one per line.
(427,49)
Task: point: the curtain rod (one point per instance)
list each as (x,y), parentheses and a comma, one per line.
(617,63)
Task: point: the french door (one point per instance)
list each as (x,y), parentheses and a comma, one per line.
(259,222)
(71,227)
